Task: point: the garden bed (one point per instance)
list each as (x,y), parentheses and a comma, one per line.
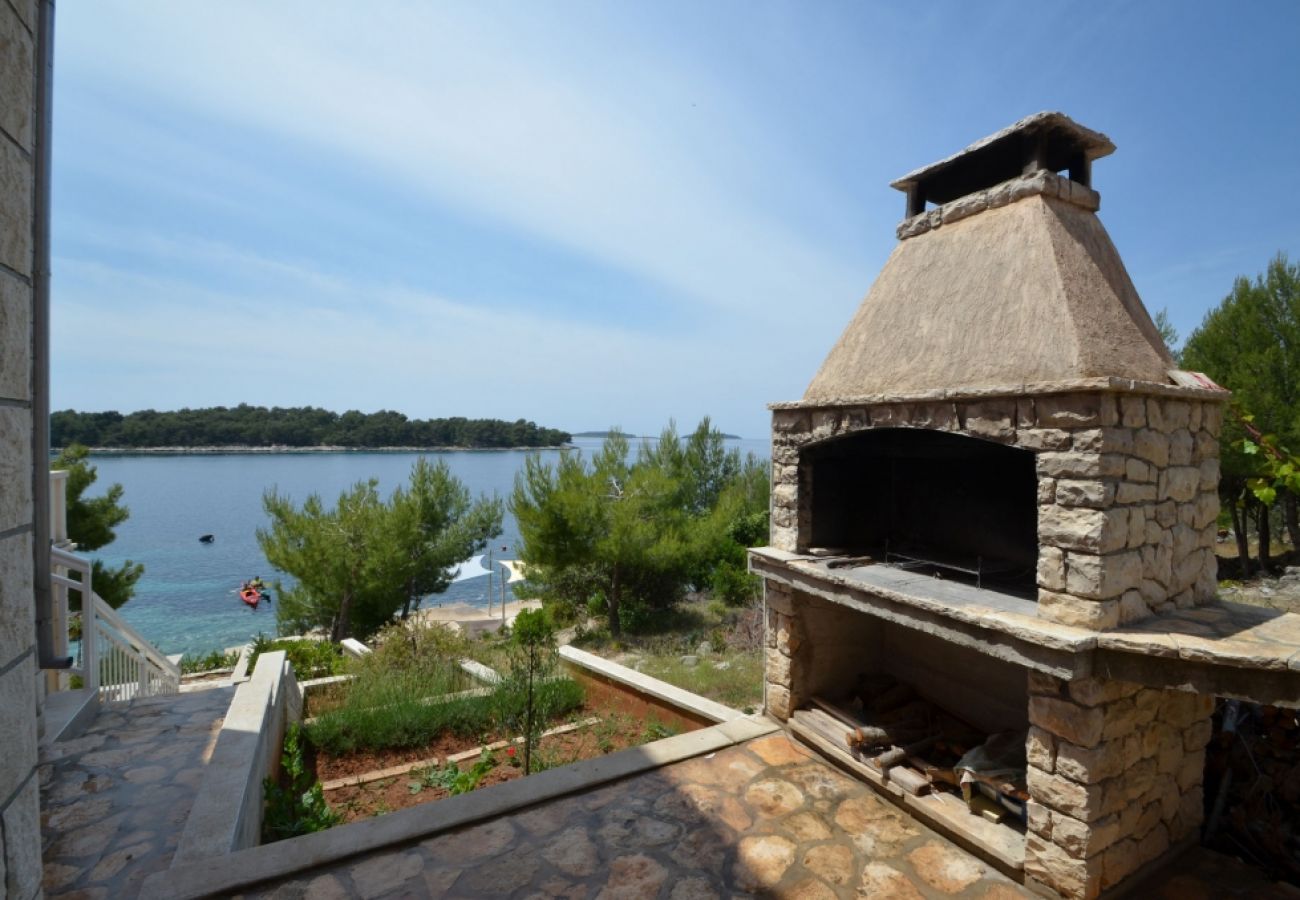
(610,718)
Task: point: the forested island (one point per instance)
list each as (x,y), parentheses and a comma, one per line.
(296,427)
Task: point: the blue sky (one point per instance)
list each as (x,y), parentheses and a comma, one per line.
(590,214)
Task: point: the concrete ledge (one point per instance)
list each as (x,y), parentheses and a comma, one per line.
(479,672)
(660,690)
(227,813)
(68,714)
(243,870)
(354,648)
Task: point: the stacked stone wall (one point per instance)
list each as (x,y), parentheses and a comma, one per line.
(1115,773)
(784,637)
(20,836)
(1127,490)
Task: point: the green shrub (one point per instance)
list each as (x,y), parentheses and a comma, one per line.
(310,659)
(206,662)
(299,806)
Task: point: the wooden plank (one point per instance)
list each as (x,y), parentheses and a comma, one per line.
(1001,845)
(909,780)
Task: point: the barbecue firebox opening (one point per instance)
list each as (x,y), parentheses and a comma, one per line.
(950,505)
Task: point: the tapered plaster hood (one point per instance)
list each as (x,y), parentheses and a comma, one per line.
(1012,280)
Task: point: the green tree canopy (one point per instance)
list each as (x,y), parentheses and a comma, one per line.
(632,536)
(91,521)
(360,563)
(1250,343)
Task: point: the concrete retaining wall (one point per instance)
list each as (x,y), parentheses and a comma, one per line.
(227,813)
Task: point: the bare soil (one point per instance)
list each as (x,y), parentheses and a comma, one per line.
(627,720)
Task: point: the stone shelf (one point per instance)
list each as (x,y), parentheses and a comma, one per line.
(1224,649)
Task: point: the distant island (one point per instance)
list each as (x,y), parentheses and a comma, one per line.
(295,428)
(605,434)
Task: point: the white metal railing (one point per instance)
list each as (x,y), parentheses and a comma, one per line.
(115,659)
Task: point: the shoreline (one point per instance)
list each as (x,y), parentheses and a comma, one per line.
(285,449)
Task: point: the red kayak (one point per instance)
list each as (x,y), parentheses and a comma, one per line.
(251,596)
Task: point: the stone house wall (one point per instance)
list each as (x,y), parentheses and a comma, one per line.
(1127,489)
(20,847)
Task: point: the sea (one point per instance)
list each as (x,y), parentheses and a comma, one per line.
(187,600)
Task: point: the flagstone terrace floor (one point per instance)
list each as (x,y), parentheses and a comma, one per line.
(114,801)
(765,818)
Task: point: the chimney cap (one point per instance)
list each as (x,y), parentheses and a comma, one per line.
(1045,140)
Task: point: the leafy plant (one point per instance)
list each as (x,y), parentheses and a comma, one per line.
(450,777)
(310,659)
(527,698)
(206,662)
(655,731)
(295,804)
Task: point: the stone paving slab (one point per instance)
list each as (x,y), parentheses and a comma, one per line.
(766,818)
(114,801)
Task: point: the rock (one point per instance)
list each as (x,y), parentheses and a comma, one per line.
(690,661)
(762,861)
(704,649)
(880,880)
(384,872)
(635,876)
(722,665)
(946,868)
(831,862)
(772,798)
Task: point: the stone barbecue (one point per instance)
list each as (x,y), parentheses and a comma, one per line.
(994,514)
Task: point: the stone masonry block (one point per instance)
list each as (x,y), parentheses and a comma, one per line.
(1044,685)
(1040,750)
(1118,862)
(1040,819)
(778,701)
(17,724)
(15,338)
(1081,529)
(17,80)
(1069,411)
(1046,491)
(1103,577)
(992,419)
(1133,411)
(1178,414)
(1096,764)
(1084,840)
(1180,483)
(1078,611)
(16,196)
(22,842)
(778,598)
(1097,691)
(15,467)
(1092,493)
(1051,568)
(1112,440)
(1043,439)
(1052,866)
(1181,448)
(1139,472)
(17,612)
(1209,476)
(1129,492)
(1133,607)
(787,421)
(1152,446)
(1079,725)
(1076,800)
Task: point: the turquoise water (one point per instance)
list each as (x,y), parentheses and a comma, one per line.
(186,601)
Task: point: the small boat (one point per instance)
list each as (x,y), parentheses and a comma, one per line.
(251,596)
(207,538)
